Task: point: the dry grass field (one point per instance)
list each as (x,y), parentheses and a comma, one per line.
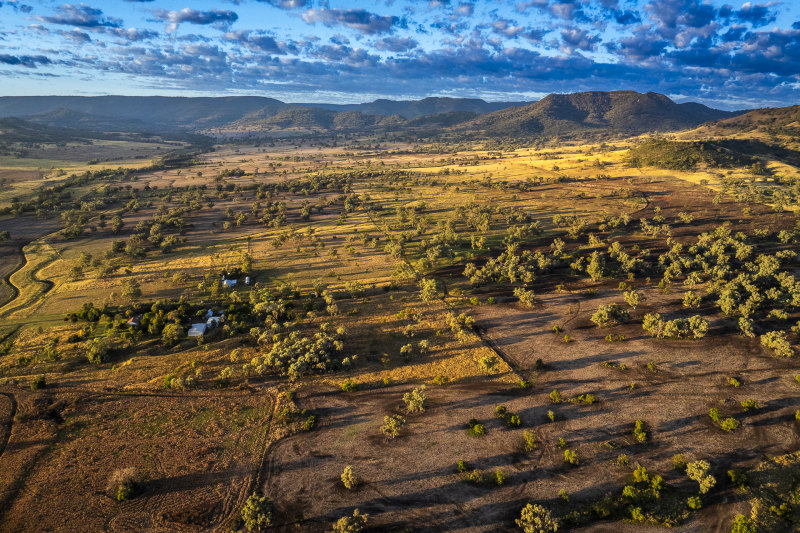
(365,270)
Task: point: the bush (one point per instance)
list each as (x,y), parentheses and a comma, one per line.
(257,512)
(351,524)
(743,524)
(537,519)
(98,350)
(555,396)
(415,400)
(633,298)
(698,471)
(713,413)
(392,425)
(172,334)
(694,327)
(609,315)
(750,405)
(429,290)
(349,479)
(622,460)
(639,432)
(526,298)
(500,477)
(475,429)
(531,442)
(694,502)
(123,484)
(38,382)
(571,457)
(776,342)
(729,424)
(461,466)
(349,385)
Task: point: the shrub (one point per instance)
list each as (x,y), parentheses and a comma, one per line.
(257,512)
(475,477)
(500,477)
(743,524)
(738,478)
(622,460)
(440,380)
(123,484)
(349,385)
(713,413)
(526,298)
(461,466)
(698,471)
(694,502)
(349,479)
(537,519)
(750,405)
(776,342)
(679,462)
(351,524)
(38,382)
(633,298)
(690,299)
(609,315)
(695,327)
(571,457)
(733,382)
(531,441)
(392,425)
(475,429)
(429,290)
(308,423)
(513,421)
(555,396)
(172,334)
(639,431)
(551,416)
(98,350)
(415,400)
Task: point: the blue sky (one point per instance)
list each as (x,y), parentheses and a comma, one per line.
(730,55)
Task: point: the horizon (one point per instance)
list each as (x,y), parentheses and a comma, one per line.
(727,56)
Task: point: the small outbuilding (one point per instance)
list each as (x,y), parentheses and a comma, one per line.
(197,330)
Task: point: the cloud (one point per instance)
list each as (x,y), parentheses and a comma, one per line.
(507,27)
(286,4)
(80,16)
(217,17)
(357,19)
(396,44)
(75,35)
(756,14)
(261,42)
(24,61)
(578,38)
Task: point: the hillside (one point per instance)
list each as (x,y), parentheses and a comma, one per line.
(772,121)
(417,108)
(617,112)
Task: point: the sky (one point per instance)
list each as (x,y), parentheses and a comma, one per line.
(728,55)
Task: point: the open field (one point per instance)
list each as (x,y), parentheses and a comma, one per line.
(365,270)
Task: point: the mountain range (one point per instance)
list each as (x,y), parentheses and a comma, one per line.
(561,115)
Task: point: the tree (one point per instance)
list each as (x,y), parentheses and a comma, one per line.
(609,315)
(116,224)
(349,479)
(131,288)
(351,524)
(392,425)
(257,512)
(698,471)
(537,519)
(415,400)
(172,335)
(429,290)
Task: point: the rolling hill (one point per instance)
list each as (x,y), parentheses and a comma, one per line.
(617,112)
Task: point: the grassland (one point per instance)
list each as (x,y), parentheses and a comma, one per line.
(474,269)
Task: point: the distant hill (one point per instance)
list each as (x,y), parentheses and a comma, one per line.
(622,112)
(772,120)
(312,119)
(418,108)
(158,113)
